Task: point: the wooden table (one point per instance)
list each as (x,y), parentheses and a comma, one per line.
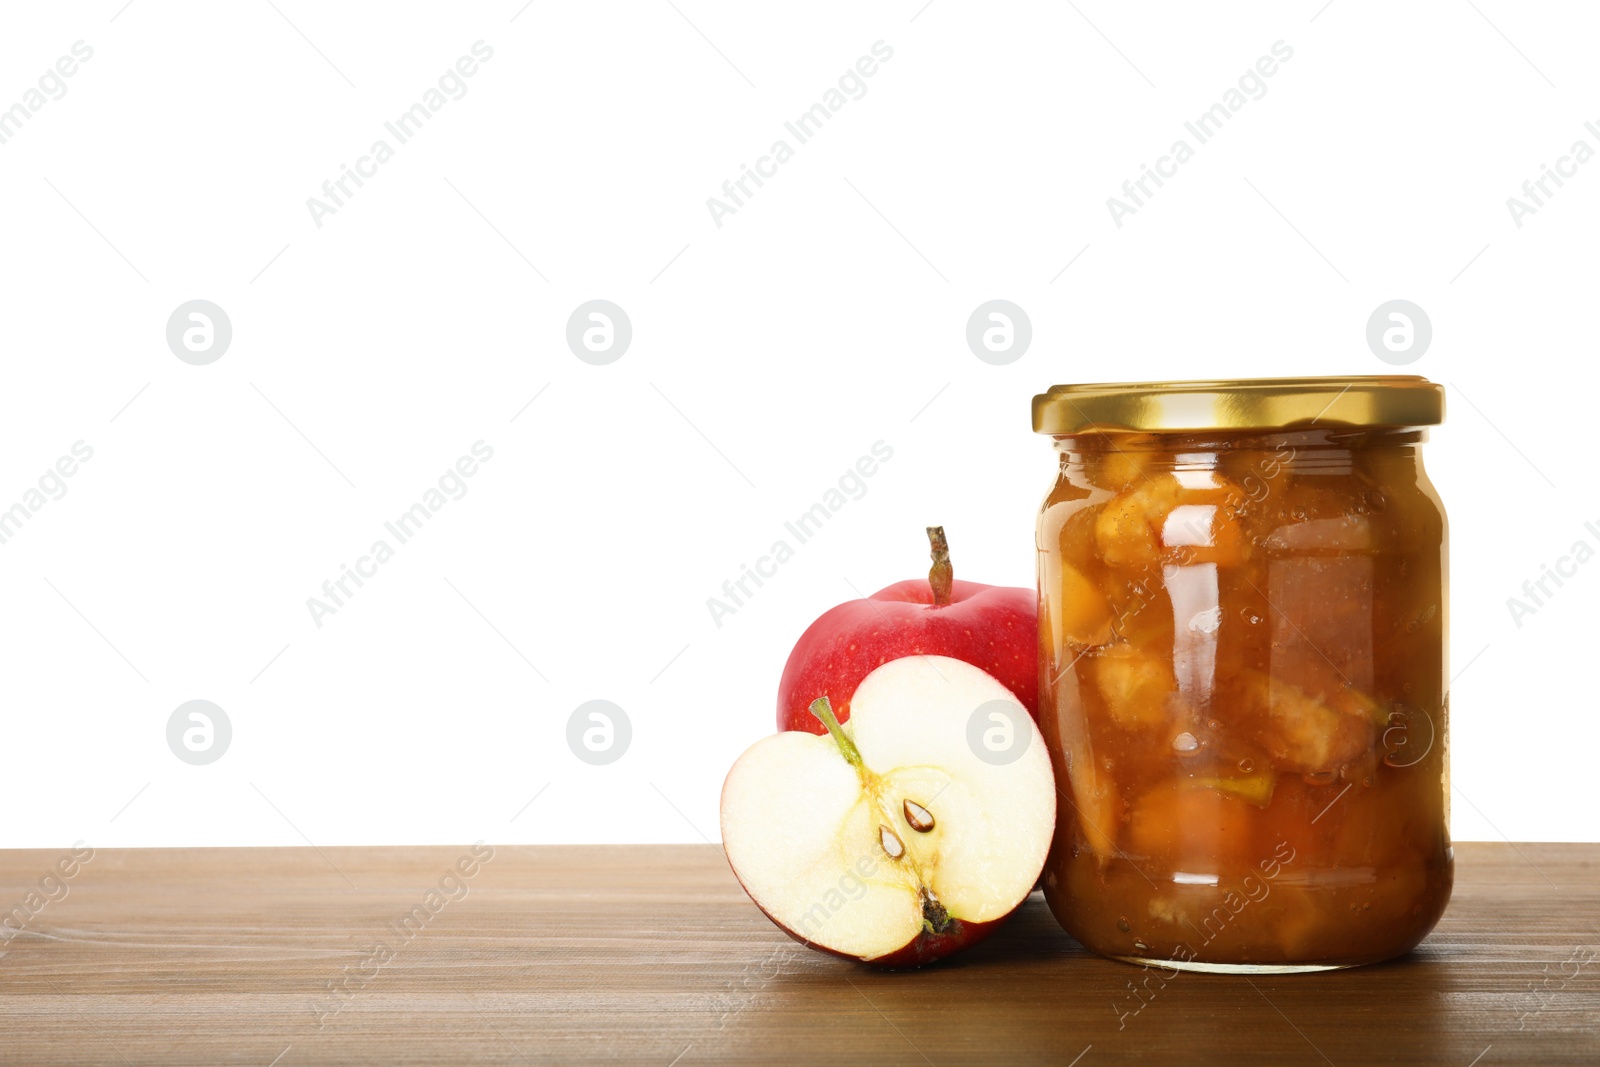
(653,955)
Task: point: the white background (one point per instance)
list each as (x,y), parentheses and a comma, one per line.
(768,354)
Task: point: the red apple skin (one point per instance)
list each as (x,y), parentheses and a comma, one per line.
(992,627)
(927,947)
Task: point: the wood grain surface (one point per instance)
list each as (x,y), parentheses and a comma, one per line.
(653,955)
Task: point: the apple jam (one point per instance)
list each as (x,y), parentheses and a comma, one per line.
(1242,620)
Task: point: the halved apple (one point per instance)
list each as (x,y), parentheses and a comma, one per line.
(905,834)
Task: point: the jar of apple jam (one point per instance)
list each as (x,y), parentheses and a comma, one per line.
(1242,612)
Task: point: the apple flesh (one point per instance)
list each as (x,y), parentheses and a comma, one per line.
(992,627)
(892,840)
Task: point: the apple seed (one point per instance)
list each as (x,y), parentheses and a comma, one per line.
(918,817)
(891,844)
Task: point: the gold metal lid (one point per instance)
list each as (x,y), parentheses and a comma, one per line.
(1240,404)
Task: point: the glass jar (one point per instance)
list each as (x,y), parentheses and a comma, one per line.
(1242,620)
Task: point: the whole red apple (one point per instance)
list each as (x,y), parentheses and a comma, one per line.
(992,627)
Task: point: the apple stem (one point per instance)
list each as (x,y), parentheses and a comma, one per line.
(941,576)
(847,748)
